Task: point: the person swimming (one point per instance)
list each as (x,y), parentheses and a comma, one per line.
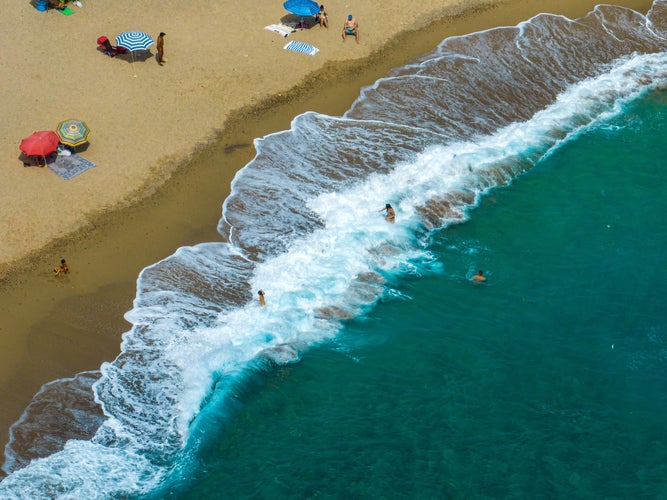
(479,276)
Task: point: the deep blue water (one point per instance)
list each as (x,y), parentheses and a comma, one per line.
(547,381)
(377,367)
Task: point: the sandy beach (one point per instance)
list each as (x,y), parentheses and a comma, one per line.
(166,141)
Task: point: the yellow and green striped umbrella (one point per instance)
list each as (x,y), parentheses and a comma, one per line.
(73,132)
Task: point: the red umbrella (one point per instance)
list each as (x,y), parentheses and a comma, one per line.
(40,143)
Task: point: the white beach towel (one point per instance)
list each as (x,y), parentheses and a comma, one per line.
(281,29)
(302,47)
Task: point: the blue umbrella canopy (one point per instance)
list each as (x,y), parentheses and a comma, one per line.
(134,40)
(302,7)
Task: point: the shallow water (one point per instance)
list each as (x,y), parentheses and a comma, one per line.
(377,366)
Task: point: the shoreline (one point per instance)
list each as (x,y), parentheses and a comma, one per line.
(62,327)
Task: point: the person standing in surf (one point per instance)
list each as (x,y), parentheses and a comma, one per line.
(261,298)
(390,214)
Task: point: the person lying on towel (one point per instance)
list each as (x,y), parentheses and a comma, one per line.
(57,4)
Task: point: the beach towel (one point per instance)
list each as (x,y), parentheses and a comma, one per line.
(302,47)
(67,11)
(281,29)
(69,166)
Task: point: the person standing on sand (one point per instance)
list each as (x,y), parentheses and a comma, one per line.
(63,268)
(160,48)
(351,27)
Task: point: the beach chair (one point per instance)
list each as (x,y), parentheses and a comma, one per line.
(105,46)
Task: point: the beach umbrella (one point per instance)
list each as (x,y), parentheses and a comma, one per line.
(302,7)
(40,143)
(73,132)
(134,40)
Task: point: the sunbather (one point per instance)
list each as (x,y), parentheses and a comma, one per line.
(57,4)
(322,18)
(63,268)
(351,28)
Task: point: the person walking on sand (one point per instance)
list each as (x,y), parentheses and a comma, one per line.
(63,268)
(390,215)
(261,298)
(160,48)
(479,276)
(351,27)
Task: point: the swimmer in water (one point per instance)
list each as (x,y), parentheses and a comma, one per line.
(390,215)
(479,276)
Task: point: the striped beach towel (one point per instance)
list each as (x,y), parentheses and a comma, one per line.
(301,47)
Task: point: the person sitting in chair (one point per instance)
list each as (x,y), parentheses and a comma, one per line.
(321,17)
(351,27)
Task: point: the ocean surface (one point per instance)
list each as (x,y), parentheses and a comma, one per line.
(378,368)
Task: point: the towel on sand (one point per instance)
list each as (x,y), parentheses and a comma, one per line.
(69,166)
(281,29)
(302,47)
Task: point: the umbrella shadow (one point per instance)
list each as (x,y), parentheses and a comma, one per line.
(37,161)
(81,148)
(299,22)
(139,56)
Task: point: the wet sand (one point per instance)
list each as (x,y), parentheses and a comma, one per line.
(54,328)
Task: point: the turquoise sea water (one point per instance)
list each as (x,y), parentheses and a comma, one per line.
(548,381)
(377,368)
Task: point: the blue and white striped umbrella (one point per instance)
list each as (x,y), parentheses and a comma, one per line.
(134,40)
